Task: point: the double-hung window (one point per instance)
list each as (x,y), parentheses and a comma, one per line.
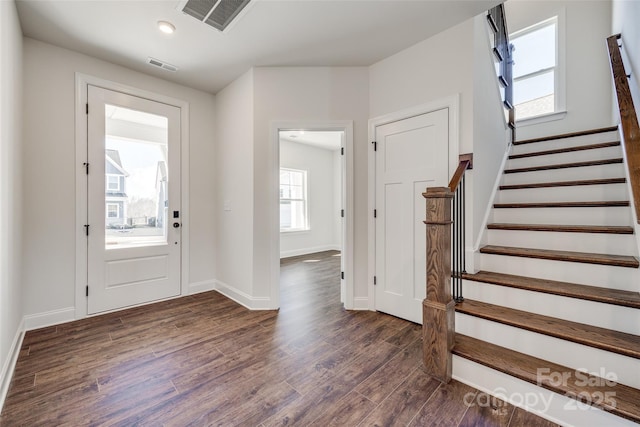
(113,183)
(535,70)
(293,200)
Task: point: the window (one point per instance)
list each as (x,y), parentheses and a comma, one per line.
(535,70)
(293,200)
(113,183)
(113,210)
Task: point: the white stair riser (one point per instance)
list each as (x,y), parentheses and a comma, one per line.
(605,276)
(623,319)
(615,244)
(571,157)
(566,353)
(564,216)
(574,193)
(557,408)
(568,174)
(567,142)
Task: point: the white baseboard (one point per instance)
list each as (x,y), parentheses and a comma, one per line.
(49,318)
(305,251)
(10,364)
(361,303)
(203,286)
(242,298)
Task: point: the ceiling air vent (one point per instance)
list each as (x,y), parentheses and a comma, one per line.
(161,64)
(216,13)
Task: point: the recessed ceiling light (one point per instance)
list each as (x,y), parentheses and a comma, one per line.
(166,27)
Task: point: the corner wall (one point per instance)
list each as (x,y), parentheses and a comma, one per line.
(11,224)
(625,18)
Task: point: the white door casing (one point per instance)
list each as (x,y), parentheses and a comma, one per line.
(121,275)
(411,154)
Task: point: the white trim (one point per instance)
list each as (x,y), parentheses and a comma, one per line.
(452,103)
(345,126)
(81,83)
(202,286)
(306,251)
(10,364)
(542,118)
(632,210)
(361,303)
(472,253)
(49,318)
(242,298)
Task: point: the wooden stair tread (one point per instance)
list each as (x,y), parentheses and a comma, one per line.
(581,333)
(571,290)
(564,183)
(566,150)
(626,403)
(582,257)
(592,204)
(606,229)
(567,135)
(565,165)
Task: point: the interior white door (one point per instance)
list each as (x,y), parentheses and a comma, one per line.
(134,224)
(411,154)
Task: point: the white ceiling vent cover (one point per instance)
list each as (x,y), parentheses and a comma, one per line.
(161,64)
(216,13)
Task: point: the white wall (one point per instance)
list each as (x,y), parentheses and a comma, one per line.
(234,187)
(338,185)
(11,224)
(49,172)
(588,79)
(625,18)
(490,132)
(321,189)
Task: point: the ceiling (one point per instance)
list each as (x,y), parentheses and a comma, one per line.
(269,33)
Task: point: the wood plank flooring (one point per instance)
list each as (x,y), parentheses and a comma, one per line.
(206,360)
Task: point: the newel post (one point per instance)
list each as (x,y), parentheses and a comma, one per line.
(438,308)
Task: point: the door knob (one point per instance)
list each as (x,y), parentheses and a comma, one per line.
(176,224)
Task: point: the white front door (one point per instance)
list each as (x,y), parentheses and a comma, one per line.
(411,155)
(134,222)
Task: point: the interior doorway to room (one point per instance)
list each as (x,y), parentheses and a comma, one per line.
(312,196)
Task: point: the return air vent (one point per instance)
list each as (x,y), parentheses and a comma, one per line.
(216,13)
(161,64)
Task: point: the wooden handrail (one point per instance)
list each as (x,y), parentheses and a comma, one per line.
(466,162)
(628,119)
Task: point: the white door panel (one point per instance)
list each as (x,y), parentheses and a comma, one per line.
(134,241)
(411,154)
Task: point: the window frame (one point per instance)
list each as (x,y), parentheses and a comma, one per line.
(117,177)
(117,205)
(304,200)
(559,89)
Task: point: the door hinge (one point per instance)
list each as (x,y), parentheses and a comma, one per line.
(342,275)
(86,167)
(375,280)
(342,213)
(342,151)
(375,145)
(86,229)
(375,213)
(87,290)
(87,109)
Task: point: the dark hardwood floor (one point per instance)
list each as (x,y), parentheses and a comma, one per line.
(205,360)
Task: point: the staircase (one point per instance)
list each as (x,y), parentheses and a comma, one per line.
(558,286)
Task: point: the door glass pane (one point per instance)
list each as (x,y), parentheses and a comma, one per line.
(136,174)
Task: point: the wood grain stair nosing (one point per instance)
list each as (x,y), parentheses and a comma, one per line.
(571,290)
(566,165)
(567,135)
(597,229)
(591,204)
(565,150)
(567,256)
(529,368)
(605,181)
(580,333)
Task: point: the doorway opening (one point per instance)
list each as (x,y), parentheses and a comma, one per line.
(314,201)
